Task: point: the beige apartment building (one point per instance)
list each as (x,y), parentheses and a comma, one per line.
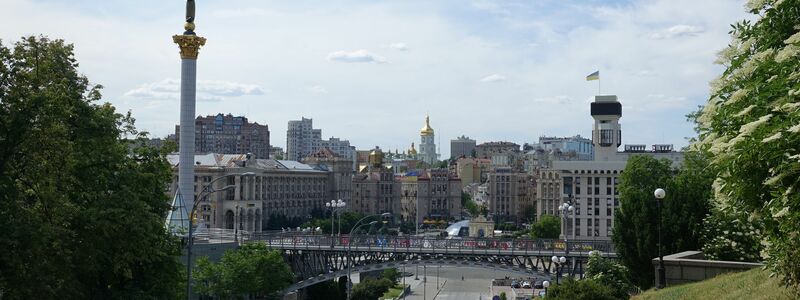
(433,194)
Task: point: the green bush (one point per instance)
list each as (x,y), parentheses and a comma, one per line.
(586,289)
(750,125)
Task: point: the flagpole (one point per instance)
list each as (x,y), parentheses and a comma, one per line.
(598,86)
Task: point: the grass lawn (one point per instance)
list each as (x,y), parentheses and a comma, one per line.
(753,284)
(393,292)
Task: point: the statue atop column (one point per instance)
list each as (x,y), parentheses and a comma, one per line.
(189,18)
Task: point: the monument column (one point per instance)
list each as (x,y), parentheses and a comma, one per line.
(189,44)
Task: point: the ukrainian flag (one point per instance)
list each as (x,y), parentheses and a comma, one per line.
(593,76)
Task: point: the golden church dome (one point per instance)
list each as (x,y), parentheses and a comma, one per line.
(376,157)
(412,151)
(426,130)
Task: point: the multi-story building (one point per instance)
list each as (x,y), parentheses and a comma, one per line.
(229,135)
(276,187)
(462,146)
(510,194)
(277,153)
(340,181)
(489,149)
(432,194)
(375,190)
(571,148)
(302,140)
(472,170)
(591,186)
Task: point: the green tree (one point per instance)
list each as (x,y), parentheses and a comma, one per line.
(252,269)
(391,274)
(635,233)
(503,296)
(586,289)
(82,214)
(548,227)
(750,124)
(325,290)
(371,289)
(688,203)
(610,274)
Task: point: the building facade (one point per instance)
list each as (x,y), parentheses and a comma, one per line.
(472,170)
(229,134)
(510,194)
(591,186)
(462,146)
(276,187)
(489,149)
(340,181)
(375,190)
(302,140)
(432,194)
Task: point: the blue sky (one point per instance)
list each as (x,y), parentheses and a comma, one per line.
(369,71)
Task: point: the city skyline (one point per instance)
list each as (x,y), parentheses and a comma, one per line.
(369,73)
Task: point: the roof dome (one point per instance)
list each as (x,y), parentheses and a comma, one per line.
(426,130)
(412,151)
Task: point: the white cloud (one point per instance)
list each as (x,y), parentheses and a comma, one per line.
(677,31)
(398,46)
(207,90)
(493,78)
(317,89)
(356,56)
(560,99)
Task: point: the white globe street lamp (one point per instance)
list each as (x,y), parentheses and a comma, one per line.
(660,193)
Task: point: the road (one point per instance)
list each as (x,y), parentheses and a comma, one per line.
(474,286)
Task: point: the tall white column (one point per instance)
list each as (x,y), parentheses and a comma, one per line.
(189,44)
(186,146)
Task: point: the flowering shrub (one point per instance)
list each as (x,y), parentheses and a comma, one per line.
(751,124)
(729,237)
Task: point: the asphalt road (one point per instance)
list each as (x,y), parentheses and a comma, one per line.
(474,286)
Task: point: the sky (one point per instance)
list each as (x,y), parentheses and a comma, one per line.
(369,71)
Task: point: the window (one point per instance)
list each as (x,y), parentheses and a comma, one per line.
(606,137)
(608,190)
(608,211)
(596,190)
(597,180)
(608,180)
(596,211)
(597,201)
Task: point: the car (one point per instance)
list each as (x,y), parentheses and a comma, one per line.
(526,285)
(538,285)
(515,284)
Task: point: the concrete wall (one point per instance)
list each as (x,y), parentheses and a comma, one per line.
(691,266)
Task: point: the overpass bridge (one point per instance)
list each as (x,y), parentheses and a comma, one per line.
(316,258)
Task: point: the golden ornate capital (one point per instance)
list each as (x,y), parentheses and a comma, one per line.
(189,44)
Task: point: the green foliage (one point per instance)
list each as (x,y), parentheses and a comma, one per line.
(326,290)
(586,289)
(371,289)
(82,215)
(548,227)
(348,220)
(753,284)
(731,237)
(470,206)
(250,270)
(610,274)
(635,230)
(750,124)
(279,221)
(391,274)
(503,296)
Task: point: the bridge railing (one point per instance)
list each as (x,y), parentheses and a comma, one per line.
(425,244)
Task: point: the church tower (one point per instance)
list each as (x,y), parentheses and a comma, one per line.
(427,146)
(606,133)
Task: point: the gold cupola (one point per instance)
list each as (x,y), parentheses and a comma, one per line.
(376,157)
(412,151)
(427,130)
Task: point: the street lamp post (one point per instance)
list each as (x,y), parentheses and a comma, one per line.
(335,206)
(559,261)
(660,270)
(350,246)
(208,189)
(566,208)
(545,284)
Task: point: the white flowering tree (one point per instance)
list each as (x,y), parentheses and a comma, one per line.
(751,124)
